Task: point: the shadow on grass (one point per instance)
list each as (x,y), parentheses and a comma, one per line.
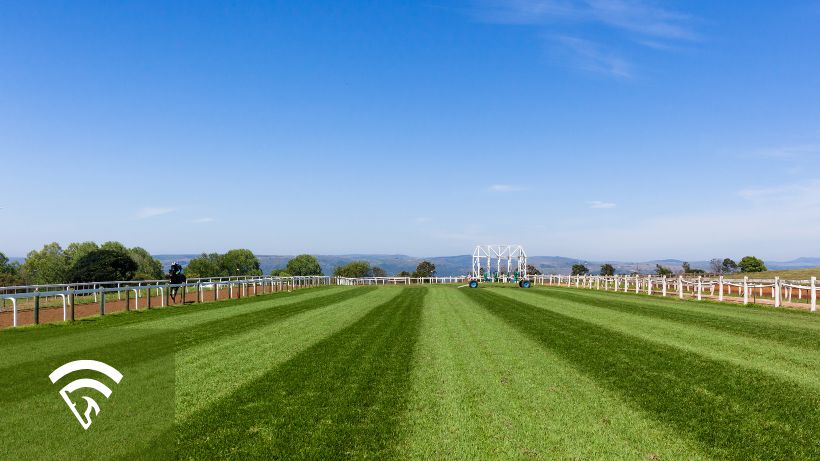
(731,412)
(753,328)
(342,397)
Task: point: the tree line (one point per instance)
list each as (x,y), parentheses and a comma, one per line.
(717,266)
(80,262)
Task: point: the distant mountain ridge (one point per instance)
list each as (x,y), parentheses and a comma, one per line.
(460,264)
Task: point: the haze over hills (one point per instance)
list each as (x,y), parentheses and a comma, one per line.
(459,265)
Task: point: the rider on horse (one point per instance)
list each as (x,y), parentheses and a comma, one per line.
(176,276)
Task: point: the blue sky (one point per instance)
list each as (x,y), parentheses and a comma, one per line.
(592,129)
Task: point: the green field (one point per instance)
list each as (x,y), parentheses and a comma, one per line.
(427,373)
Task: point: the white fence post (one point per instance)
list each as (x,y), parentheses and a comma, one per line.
(814,294)
(649,285)
(680,286)
(663,285)
(720,290)
(700,287)
(777,294)
(745,289)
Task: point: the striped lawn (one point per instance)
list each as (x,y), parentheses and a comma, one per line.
(443,373)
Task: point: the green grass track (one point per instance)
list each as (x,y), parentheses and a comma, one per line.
(422,373)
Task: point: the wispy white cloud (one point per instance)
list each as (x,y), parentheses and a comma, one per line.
(635,16)
(592,57)
(150,212)
(639,21)
(790,152)
(203,220)
(505,188)
(598,204)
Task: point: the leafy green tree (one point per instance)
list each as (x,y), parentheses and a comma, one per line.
(240,262)
(729,266)
(687,269)
(751,264)
(579,269)
(46,266)
(607,269)
(114,246)
(532,270)
(353,269)
(378,272)
(76,250)
(425,269)
(103,265)
(661,270)
(148,267)
(9,272)
(404,274)
(304,265)
(280,273)
(205,265)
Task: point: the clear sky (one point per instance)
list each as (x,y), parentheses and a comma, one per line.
(592,129)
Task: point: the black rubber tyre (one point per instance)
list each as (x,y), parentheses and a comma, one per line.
(473,284)
(525,284)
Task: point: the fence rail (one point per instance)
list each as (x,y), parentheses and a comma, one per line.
(776,291)
(101,292)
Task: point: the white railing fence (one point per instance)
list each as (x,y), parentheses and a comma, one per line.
(781,292)
(102,291)
(399,280)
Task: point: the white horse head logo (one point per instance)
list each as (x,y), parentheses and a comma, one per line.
(70,367)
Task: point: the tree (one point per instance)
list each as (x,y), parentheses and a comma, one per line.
(532,270)
(716,266)
(425,269)
(103,265)
(76,250)
(280,273)
(660,270)
(304,265)
(46,266)
(751,264)
(404,274)
(148,267)
(114,246)
(686,268)
(579,269)
(353,269)
(729,266)
(9,272)
(240,262)
(379,272)
(607,269)
(205,265)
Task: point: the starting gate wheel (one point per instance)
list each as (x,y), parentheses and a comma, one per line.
(473,283)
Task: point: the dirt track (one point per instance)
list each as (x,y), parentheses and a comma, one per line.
(55,314)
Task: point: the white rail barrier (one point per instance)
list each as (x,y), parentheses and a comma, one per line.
(68,292)
(698,287)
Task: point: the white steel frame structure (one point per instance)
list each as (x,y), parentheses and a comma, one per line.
(499,253)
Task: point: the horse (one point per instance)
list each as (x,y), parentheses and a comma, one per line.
(176,279)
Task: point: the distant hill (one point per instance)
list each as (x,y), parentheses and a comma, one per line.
(461,264)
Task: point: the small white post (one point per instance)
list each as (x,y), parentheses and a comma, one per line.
(680,286)
(814,294)
(649,285)
(13,312)
(663,285)
(626,283)
(700,287)
(745,289)
(720,288)
(776,289)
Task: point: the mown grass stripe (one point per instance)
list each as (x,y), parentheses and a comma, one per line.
(135,346)
(732,412)
(342,397)
(484,390)
(783,361)
(750,327)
